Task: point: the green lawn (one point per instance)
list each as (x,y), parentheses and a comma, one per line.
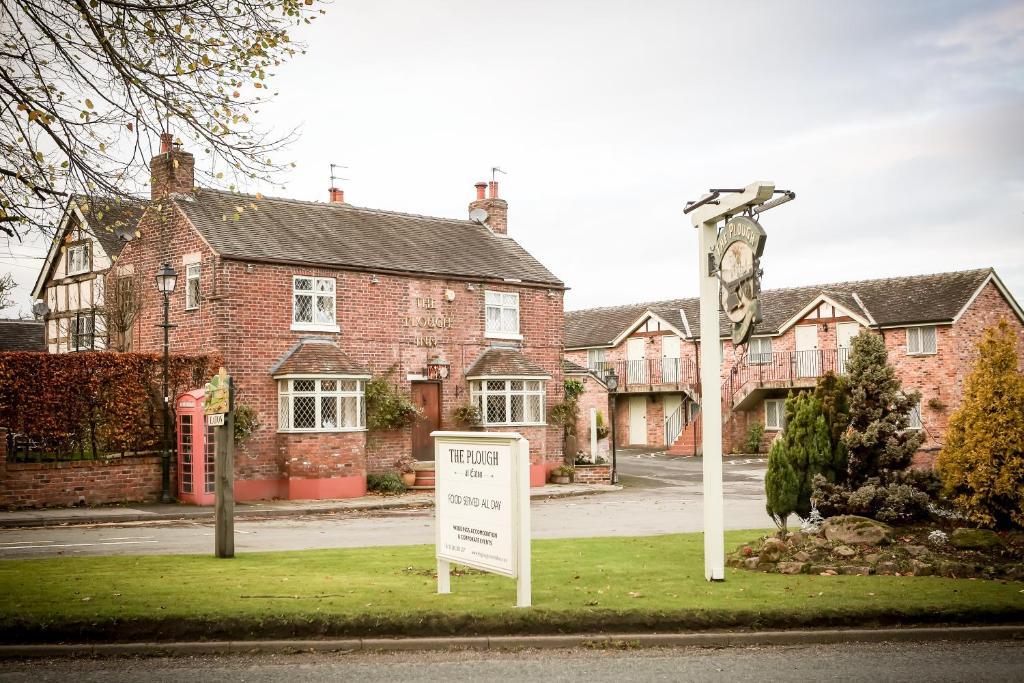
(581,584)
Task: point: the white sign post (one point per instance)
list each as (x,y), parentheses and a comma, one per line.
(482,506)
(705,218)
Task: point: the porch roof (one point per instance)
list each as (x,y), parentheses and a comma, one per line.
(505,362)
(317,357)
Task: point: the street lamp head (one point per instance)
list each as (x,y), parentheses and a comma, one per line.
(166,278)
(611,380)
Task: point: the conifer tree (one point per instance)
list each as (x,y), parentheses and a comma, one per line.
(833,394)
(806,451)
(780,485)
(877,441)
(982,462)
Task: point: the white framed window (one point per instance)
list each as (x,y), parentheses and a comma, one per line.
(759,350)
(596,359)
(314,303)
(192,272)
(921,341)
(509,401)
(321,404)
(78,259)
(82,332)
(914,418)
(774,414)
(501,313)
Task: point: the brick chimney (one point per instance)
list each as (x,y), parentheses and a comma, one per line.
(336,196)
(496,208)
(172,171)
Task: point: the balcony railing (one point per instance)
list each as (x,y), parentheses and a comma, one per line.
(785,368)
(648,372)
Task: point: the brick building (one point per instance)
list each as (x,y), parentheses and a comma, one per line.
(307,301)
(930,323)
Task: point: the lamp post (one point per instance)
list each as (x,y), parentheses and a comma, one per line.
(166,279)
(611,380)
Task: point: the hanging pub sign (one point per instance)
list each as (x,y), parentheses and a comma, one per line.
(482,506)
(216,397)
(737,260)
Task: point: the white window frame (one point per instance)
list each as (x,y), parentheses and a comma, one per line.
(479,391)
(76,334)
(915,423)
(84,266)
(502,306)
(916,345)
(193,273)
(780,414)
(287,393)
(315,294)
(596,359)
(761,356)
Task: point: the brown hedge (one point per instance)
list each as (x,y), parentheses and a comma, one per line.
(87,405)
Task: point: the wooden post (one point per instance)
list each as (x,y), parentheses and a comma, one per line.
(224,476)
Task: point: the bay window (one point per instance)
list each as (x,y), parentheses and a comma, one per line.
(509,401)
(321,404)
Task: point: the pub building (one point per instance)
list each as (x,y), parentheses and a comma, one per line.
(306,302)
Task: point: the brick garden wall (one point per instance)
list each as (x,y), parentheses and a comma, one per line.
(130,479)
(593,474)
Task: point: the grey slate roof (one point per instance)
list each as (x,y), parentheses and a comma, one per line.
(107,216)
(889,301)
(21,335)
(345,236)
(503,362)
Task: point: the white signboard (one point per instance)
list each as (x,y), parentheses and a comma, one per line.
(215,420)
(482,507)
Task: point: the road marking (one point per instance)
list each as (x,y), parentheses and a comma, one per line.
(71,545)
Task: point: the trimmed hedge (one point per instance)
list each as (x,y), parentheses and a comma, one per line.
(87,405)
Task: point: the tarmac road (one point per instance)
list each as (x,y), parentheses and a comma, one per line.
(869,662)
(661,495)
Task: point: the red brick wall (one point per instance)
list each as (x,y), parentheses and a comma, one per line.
(593,474)
(246,316)
(594,395)
(88,482)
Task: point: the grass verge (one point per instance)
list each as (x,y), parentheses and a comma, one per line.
(579,585)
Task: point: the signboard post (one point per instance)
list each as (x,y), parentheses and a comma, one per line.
(219,408)
(482,506)
(706,214)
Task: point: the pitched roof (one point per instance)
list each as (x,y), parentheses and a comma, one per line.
(345,236)
(935,298)
(107,216)
(21,335)
(503,362)
(317,357)
(570,368)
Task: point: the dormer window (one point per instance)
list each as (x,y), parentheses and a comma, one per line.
(78,259)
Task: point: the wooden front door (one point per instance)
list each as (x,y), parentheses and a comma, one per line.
(427,397)
(635,366)
(807,351)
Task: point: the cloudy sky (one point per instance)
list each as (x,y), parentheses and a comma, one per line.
(899,125)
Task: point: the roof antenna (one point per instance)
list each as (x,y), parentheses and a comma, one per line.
(333,177)
(494,171)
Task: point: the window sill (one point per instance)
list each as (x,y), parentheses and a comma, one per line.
(516,424)
(313,327)
(322,431)
(923,353)
(498,335)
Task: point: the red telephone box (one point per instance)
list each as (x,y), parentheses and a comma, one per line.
(195,451)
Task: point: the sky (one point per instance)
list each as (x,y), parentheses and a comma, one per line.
(899,125)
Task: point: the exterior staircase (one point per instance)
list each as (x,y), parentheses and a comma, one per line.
(689,440)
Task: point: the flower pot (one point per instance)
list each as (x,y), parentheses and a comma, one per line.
(409,478)
(559,479)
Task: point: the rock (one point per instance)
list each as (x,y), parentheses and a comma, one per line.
(821,569)
(819,541)
(772,550)
(792,567)
(975,538)
(856,530)
(844,551)
(802,556)
(766,566)
(872,558)
(916,550)
(797,538)
(818,554)
(954,570)
(751,562)
(919,568)
(855,571)
(886,568)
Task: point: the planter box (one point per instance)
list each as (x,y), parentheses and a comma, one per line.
(593,474)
